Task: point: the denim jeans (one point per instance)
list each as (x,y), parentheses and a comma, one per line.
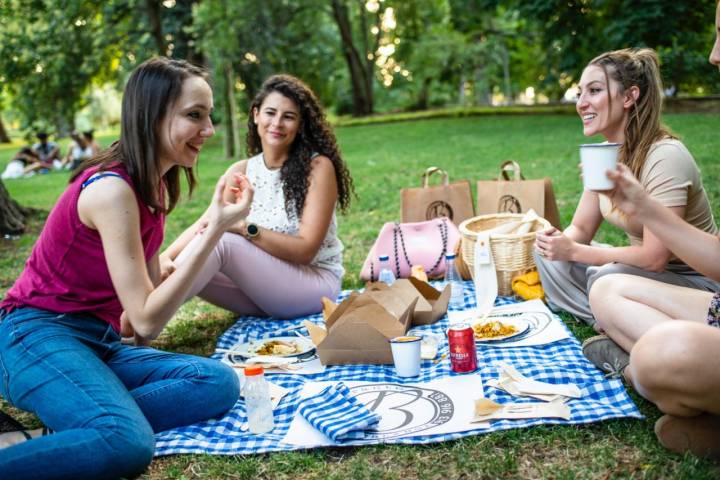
(102,398)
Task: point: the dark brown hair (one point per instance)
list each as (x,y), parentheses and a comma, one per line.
(636,67)
(314,137)
(151,91)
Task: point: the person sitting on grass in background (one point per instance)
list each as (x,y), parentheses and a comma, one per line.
(289,242)
(19,162)
(90,137)
(46,152)
(80,149)
(93,274)
(621,99)
(672,332)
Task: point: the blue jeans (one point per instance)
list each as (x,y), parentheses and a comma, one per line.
(103,399)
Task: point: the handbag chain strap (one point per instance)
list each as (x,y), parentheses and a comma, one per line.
(398,233)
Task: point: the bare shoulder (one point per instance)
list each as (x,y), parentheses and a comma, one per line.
(322,165)
(106,197)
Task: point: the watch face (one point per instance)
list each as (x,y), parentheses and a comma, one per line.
(252,229)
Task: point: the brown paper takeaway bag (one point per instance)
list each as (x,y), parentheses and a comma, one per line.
(517,195)
(452,200)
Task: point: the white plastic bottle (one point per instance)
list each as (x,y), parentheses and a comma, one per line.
(452,278)
(386,274)
(257,400)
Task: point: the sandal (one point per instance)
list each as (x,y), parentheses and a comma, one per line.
(699,435)
(606,355)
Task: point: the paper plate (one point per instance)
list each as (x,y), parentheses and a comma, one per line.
(246,350)
(521,327)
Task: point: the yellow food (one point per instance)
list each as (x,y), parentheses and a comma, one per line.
(493,329)
(278,347)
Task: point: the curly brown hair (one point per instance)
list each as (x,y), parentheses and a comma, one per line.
(314,137)
(637,67)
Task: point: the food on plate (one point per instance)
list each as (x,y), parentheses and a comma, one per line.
(493,329)
(278,347)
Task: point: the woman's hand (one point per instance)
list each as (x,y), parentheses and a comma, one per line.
(223,214)
(628,195)
(555,245)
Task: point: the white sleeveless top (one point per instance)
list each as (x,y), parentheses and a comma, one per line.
(268,211)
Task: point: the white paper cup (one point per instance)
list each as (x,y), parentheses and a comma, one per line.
(596,160)
(406,355)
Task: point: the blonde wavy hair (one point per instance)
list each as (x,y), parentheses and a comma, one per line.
(637,67)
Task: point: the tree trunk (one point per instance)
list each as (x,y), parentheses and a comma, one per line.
(12,215)
(362,96)
(4,138)
(152,8)
(232,135)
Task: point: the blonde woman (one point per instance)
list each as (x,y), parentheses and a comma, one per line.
(620,99)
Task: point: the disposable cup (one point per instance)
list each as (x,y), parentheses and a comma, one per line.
(406,355)
(596,160)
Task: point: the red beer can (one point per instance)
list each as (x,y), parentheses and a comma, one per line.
(461,340)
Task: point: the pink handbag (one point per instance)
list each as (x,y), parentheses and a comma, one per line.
(408,244)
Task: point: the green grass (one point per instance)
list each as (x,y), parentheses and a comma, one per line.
(384,158)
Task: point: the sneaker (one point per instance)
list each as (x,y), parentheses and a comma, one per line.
(606,355)
(699,435)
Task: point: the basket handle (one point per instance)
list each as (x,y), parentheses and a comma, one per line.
(510,166)
(426,176)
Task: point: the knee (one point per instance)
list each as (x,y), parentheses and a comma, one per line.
(223,384)
(605,292)
(662,357)
(129,446)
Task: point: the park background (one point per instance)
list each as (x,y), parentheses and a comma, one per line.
(463,85)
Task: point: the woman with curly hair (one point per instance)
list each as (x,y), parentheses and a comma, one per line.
(286,254)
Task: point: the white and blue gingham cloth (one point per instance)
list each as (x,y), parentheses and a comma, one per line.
(337,414)
(558,362)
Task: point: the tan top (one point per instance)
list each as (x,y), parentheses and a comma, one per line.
(671,176)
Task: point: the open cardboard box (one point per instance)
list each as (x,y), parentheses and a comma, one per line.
(359,330)
(431,304)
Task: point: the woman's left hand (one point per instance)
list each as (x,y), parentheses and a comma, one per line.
(555,245)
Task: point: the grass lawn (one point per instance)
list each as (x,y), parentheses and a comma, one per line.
(384,158)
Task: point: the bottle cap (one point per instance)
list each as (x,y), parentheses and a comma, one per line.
(449,256)
(383,258)
(253,370)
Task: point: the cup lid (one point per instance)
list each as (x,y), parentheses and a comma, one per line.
(252,370)
(599,145)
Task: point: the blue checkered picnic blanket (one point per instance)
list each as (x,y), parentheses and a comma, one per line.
(558,362)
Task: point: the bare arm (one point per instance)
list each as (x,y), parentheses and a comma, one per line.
(314,222)
(112,211)
(699,249)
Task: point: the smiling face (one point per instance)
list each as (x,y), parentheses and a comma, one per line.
(601,105)
(278,121)
(186,126)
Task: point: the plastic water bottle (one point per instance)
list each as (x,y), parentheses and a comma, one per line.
(257,400)
(452,278)
(386,274)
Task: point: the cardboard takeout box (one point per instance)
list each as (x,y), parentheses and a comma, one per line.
(359,330)
(431,304)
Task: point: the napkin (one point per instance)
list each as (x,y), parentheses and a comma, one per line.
(486,410)
(337,414)
(514,383)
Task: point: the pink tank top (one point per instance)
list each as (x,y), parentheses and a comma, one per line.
(67,271)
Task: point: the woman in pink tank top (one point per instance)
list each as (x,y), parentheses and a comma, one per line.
(93,273)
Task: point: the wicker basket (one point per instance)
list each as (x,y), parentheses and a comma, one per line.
(512,253)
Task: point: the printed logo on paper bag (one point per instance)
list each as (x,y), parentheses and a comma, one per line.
(438,208)
(509,204)
(405,409)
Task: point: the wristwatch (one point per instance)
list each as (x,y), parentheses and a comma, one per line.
(251,231)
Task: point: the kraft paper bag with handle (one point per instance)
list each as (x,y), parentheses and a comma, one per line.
(452,200)
(511,193)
